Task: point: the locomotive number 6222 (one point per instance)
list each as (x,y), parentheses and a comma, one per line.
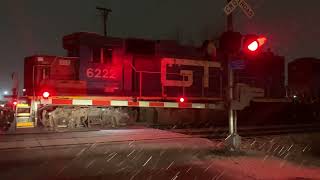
(99,73)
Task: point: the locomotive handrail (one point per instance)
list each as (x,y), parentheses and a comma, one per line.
(159,72)
(150,72)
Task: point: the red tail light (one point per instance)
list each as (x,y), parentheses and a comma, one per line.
(46,94)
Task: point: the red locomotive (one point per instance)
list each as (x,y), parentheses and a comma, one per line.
(113,72)
(99,66)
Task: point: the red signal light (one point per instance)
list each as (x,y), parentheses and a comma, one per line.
(14,103)
(181,99)
(46,94)
(253,46)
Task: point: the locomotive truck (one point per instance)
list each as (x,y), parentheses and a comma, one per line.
(116,81)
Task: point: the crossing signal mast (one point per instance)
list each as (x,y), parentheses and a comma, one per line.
(235,45)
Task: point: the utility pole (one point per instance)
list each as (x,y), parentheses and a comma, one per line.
(15,85)
(105,13)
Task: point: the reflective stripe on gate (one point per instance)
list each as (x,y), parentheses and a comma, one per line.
(125,103)
(82,102)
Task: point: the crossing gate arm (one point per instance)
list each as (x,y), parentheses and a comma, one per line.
(128,103)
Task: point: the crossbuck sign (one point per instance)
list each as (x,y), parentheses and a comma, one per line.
(232,5)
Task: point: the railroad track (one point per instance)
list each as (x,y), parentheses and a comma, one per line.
(222,132)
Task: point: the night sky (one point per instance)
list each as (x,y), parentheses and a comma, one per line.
(36,26)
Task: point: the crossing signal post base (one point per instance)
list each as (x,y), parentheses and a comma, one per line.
(233,142)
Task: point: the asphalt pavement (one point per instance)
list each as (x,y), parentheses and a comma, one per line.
(129,154)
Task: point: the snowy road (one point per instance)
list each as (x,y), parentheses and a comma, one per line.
(136,154)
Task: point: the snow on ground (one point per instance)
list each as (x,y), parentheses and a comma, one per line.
(301,149)
(244,167)
(272,157)
(292,156)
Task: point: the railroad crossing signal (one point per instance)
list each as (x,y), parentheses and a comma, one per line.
(234,42)
(234,140)
(232,5)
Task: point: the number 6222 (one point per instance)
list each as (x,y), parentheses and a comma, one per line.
(99,73)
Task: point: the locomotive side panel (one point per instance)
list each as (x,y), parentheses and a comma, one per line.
(146,75)
(43,72)
(102,69)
